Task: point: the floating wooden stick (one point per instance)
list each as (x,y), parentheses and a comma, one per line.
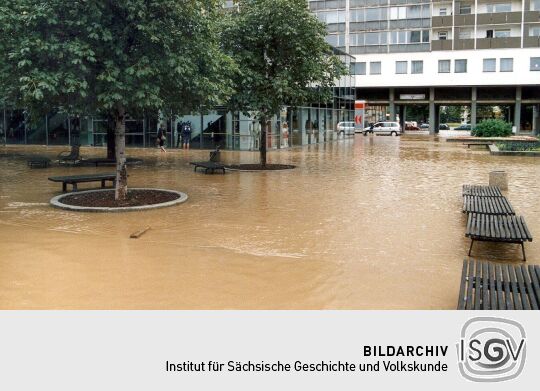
(138,234)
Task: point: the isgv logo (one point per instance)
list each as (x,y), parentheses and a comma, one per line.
(491,349)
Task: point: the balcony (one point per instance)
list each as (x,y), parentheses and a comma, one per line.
(464,20)
(531,42)
(532,16)
(441,21)
(498,43)
(499,18)
(464,44)
(441,44)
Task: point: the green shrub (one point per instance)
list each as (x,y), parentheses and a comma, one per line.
(492,128)
(519,146)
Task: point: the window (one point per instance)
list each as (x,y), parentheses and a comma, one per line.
(357,16)
(465,34)
(376,38)
(464,9)
(442,12)
(490,65)
(443,35)
(398,13)
(336,40)
(499,7)
(414,36)
(444,66)
(506,65)
(489,33)
(535,63)
(534,31)
(535,5)
(359,68)
(417,67)
(401,67)
(414,11)
(460,66)
(502,33)
(356,39)
(375,68)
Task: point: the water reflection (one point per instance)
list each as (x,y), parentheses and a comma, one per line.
(374,223)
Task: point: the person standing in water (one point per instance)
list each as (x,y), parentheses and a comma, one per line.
(161,136)
(186,134)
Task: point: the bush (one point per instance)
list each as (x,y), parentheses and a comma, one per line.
(492,128)
(519,146)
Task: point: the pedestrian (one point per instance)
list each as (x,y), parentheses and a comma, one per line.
(161,137)
(179,127)
(186,134)
(285,133)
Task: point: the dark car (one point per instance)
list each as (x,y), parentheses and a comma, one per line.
(463,127)
(444,127)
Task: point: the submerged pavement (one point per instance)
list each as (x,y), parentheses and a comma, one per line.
(370,223)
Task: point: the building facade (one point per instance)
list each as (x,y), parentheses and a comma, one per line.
(294,126)
(416,57)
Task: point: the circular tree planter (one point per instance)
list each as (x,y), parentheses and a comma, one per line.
(258,167)
(102,200)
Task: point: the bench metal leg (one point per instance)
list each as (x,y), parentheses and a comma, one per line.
(74,184)
(102,183)
(64,187)
(470,248)
(523,251)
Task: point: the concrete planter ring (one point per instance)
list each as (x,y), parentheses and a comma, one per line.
(172,197)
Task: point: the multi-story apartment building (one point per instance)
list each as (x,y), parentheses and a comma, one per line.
(474,53)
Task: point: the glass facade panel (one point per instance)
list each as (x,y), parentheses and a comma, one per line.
(417,67)
(507,65)
(401,67)
(490,65)
(444,66)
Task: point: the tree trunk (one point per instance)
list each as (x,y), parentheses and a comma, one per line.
(262,147)
(111,142)
(120,141)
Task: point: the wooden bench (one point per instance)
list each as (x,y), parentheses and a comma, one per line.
(487,205)
(497,228)
(490,286)
(208,166)
(38,162)
(486,144)
(482,191)
(73,180)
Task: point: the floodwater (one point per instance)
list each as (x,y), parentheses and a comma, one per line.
(370,223)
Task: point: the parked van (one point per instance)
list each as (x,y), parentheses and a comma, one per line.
(386,127)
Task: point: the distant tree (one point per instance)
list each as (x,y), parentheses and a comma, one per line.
(283,58)
(112,57)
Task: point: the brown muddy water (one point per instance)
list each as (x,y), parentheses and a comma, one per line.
(371,223)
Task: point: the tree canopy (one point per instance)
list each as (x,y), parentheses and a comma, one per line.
(96,55)
(283,57)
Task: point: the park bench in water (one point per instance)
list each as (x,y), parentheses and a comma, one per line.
(482,191)
(497,228)
(487,205)
(208,166)
(494,286)
(73,180)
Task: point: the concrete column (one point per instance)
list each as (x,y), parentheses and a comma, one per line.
(432,119)
(392,104)
(473,107)
(536,120)
(517,110)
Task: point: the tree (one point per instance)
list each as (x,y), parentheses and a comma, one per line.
(113,58)
(283,58)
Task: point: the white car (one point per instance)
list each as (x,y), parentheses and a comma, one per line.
(345,127)
(386,127)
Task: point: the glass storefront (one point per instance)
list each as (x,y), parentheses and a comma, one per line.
(291,127)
